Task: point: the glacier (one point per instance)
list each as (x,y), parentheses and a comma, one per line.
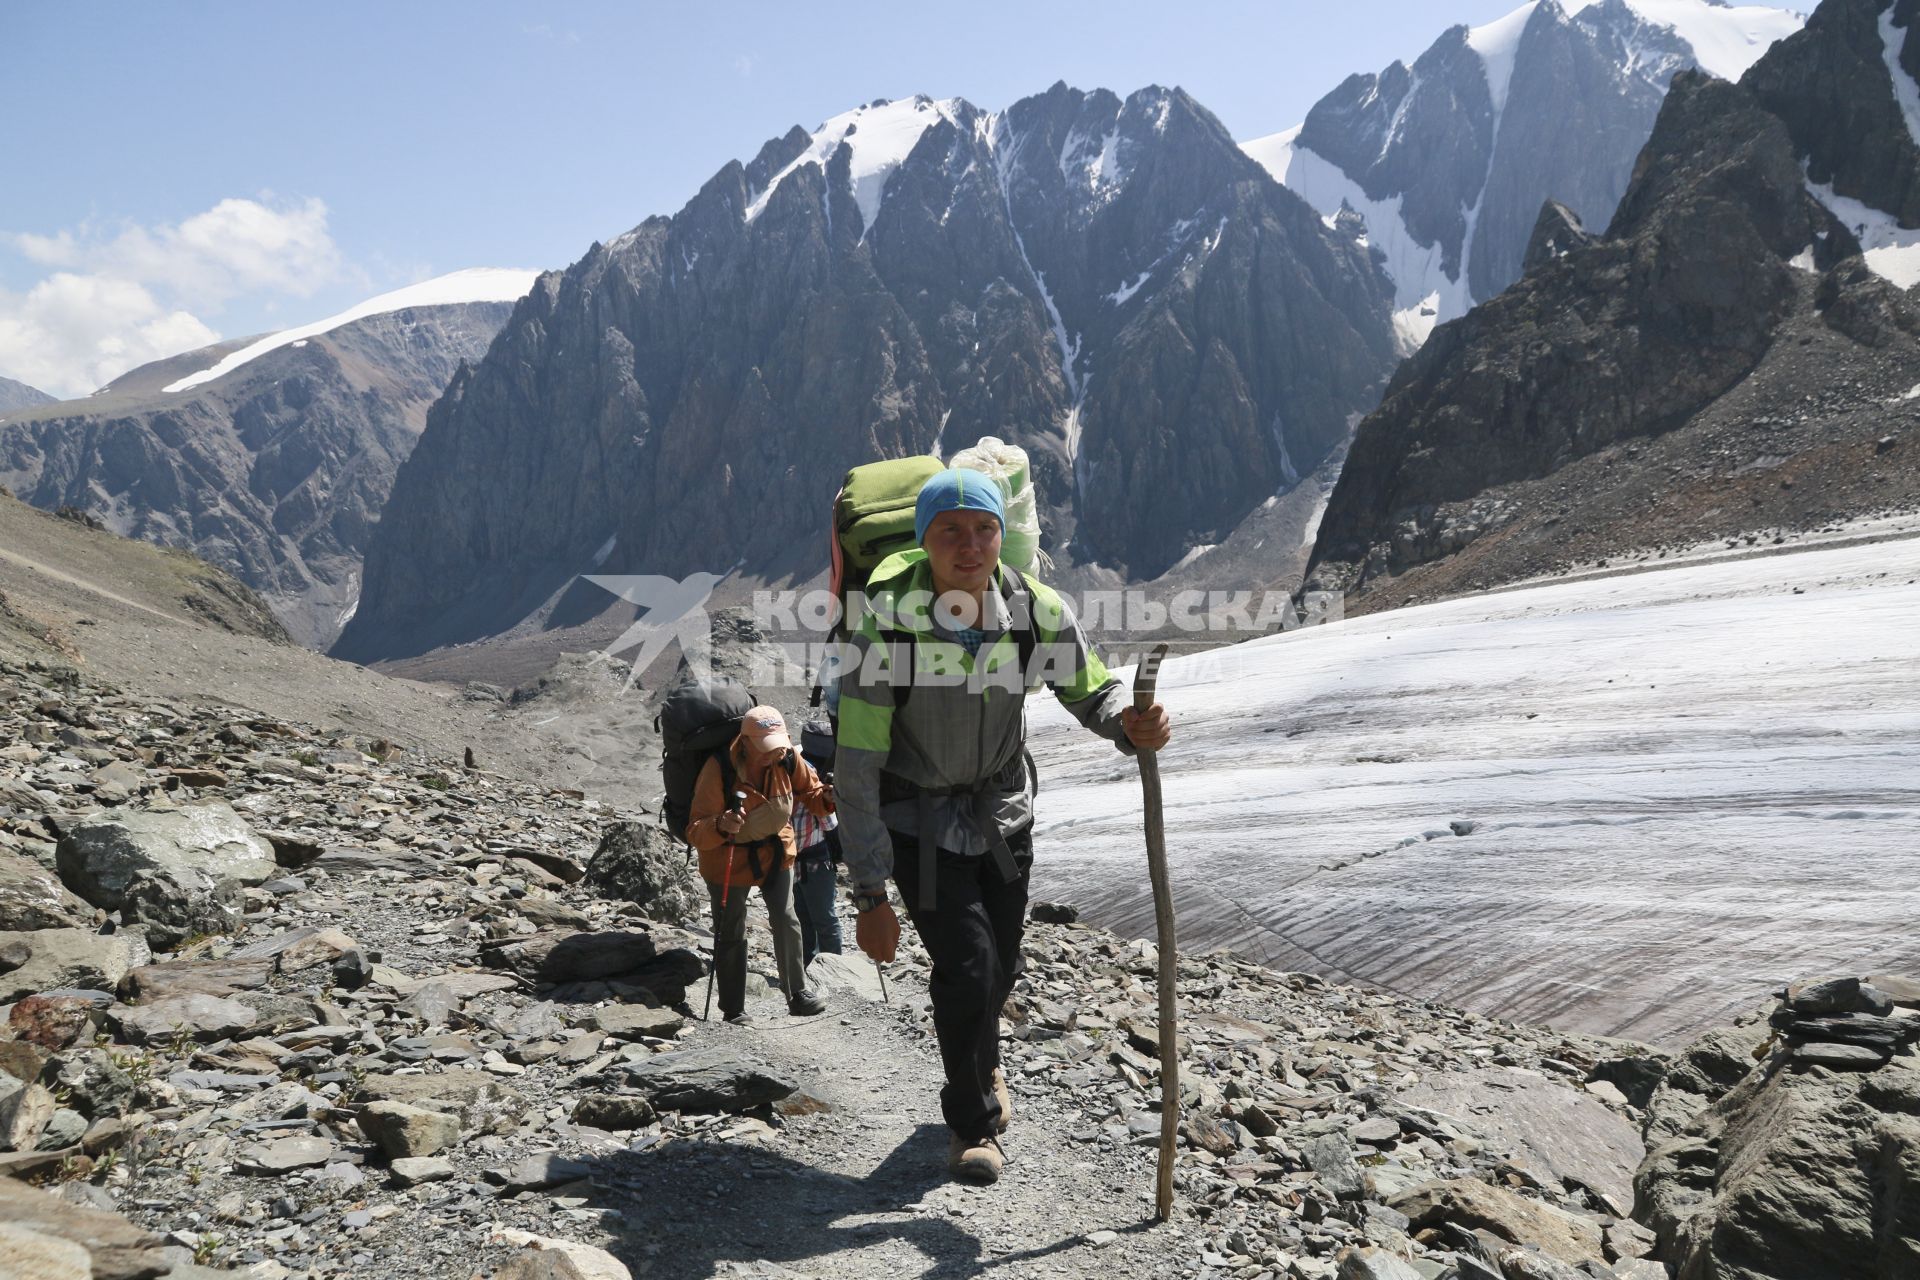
(1678,789)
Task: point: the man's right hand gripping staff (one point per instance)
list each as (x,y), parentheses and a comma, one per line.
(876,927)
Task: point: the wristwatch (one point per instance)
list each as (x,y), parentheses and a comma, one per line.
(866,900)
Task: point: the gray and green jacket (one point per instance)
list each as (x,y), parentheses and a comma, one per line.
(964,726)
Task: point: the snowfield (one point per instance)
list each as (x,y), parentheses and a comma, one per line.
(1676,790)
(479,284)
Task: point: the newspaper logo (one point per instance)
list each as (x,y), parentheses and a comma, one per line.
(671,609)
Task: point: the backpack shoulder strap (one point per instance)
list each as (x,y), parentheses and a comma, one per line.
(1026,635)
(902,690)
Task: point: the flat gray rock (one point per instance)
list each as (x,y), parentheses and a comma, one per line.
(1840,1057)
(1548,1127)
(303,1151)
(52,959)
(538,1172)
(707,1080)
(1331,1158)
(853,974)
(405,1131)
(118,1249)
(482,1103)
(634,1021)
(411,1171)
(198,1017)
(32,897)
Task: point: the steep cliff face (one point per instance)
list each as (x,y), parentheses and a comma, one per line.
(1448,160)
(1110,283)
(1724,353)
(271,461)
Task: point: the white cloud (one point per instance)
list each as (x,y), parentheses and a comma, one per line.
(72,333)
(122,296)
(743,66)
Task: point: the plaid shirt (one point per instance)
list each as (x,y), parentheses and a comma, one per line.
(808,830)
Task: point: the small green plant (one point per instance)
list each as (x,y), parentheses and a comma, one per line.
(309,758)
(208,1248)
(182,1042)
(107,1162)
(434,782)
(195,1173)
(356,1083)
(138,1066)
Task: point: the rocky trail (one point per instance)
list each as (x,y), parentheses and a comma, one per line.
(288,1005)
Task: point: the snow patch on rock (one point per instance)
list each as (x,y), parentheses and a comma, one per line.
(881,137)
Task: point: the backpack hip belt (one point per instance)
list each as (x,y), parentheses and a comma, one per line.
(753,850)
(893,787)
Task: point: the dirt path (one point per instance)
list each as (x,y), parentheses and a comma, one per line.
(48,571)
(860,1190)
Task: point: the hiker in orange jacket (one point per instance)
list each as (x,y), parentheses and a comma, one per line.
(746,840)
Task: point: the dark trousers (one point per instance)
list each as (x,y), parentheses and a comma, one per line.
(973,937)
(813,899)
(730,939)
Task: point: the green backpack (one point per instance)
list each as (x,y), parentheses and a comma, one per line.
(872,519)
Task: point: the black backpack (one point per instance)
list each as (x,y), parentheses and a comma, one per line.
(817,745)
(698,719)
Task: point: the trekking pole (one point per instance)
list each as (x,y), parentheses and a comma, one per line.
(882,971)
(1144,679)
(726,885)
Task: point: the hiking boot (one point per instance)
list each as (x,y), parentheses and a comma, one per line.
(806,1004)
(741,1019)
(1003,1097)
(977,1160)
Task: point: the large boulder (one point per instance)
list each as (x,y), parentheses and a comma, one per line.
(39,960)
(1700,1077)
(169,862)
(629,956)
(178,909)
(31,897)
(707,1080)
(641,863)
(1808,1166)
(117,1249)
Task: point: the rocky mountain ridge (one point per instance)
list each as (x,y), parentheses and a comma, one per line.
(18,395)
(1722,363)
(1448,160)
(1111,284)
(274,465)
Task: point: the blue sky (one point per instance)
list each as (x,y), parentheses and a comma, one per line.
(180,172)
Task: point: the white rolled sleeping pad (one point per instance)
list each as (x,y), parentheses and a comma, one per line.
(1007,464)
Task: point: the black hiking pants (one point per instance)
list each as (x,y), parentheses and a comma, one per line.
(973,937)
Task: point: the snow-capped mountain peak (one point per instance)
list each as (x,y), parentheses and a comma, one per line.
(880,136)
(1498,44)
(477,284)
(1725,39)
(1449,161)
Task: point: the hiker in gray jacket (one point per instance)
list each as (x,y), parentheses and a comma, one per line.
(933,778)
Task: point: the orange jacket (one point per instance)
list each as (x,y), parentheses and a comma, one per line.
(769,788)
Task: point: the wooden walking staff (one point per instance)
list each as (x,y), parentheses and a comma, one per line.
(1144,679)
